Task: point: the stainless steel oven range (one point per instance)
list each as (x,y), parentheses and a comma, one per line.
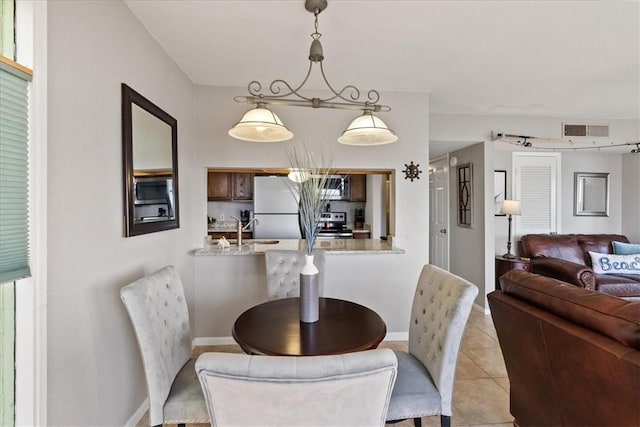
(333,225)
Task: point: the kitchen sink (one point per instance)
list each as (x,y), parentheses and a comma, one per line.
(261,242)
(254,242)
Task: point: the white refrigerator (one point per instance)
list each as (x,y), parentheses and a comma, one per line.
(276,208)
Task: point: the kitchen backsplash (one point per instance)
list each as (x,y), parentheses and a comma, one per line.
(224,210)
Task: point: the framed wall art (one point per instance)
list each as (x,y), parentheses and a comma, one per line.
(465,195)
(499,190)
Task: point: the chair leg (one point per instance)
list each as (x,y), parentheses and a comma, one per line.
(417,422)
(445,421)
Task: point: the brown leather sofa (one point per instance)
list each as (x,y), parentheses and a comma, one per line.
(566,257)
(572,355)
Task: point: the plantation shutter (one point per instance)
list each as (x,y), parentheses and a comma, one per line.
(536,187)
(14,133)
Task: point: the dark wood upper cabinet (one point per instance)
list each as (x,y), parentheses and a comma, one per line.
(242,186)
(219,186)
(229,186)
(358,188)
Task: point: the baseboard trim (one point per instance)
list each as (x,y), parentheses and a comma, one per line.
(137,416)
(396,336)
(484,310)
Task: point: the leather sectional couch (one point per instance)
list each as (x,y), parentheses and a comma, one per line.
(572,355)
(566,257)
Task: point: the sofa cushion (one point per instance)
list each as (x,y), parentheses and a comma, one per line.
(563,246)
(611,316)
(622,248)
(599,246)
(615,264)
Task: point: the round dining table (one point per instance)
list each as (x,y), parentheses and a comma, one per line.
(274,328)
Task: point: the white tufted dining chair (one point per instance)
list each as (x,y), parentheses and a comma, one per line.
(424,387)
(283,272)
(351,389)
(158,312)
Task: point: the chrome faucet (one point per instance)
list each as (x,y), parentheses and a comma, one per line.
(240,228)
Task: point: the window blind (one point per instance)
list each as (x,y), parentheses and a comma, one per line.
(14,173)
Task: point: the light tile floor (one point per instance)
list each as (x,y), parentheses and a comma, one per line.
(481,390)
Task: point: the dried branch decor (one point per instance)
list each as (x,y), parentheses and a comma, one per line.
(310,179)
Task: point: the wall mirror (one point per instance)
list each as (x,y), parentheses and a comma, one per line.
(150,166)
(591,194)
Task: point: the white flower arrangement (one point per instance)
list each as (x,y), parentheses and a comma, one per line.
(308,178)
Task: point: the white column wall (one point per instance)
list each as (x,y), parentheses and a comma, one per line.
(95,372)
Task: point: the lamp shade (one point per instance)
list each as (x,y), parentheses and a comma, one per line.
(510,207)
(299,175)
(260,125)
(367,129)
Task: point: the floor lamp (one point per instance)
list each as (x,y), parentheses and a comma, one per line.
(510,208)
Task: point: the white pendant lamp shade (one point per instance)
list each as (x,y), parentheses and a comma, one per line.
(367,129)
(260,125)
(299,175)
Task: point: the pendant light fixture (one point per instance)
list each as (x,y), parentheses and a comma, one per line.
(367,129)
(262,125)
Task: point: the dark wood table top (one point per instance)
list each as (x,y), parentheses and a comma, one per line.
(274,328)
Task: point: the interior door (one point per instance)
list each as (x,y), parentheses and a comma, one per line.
(439,213)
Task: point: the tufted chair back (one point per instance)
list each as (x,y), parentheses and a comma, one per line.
(158,311)
(350,389)
(283,272)
(441,307)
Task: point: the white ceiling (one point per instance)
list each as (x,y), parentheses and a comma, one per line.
(536,58)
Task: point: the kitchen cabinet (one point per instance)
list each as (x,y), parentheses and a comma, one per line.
(229,186)
(242,186)
(219,186)
(361,234)
(358,188)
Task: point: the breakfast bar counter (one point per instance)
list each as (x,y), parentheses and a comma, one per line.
(228,281)
(337,246)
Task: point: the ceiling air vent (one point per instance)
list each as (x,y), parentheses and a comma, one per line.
(584,130)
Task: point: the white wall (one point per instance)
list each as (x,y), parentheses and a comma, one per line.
(216,111)
(468,247)
(464,127)
(591,162)
(94,366)
(631,196)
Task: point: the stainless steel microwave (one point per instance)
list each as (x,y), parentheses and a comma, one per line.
(151,190)
(336,187)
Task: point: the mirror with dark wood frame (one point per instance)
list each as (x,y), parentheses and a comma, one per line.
(150,166)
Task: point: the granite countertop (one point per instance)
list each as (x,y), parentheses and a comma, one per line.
(337,246)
